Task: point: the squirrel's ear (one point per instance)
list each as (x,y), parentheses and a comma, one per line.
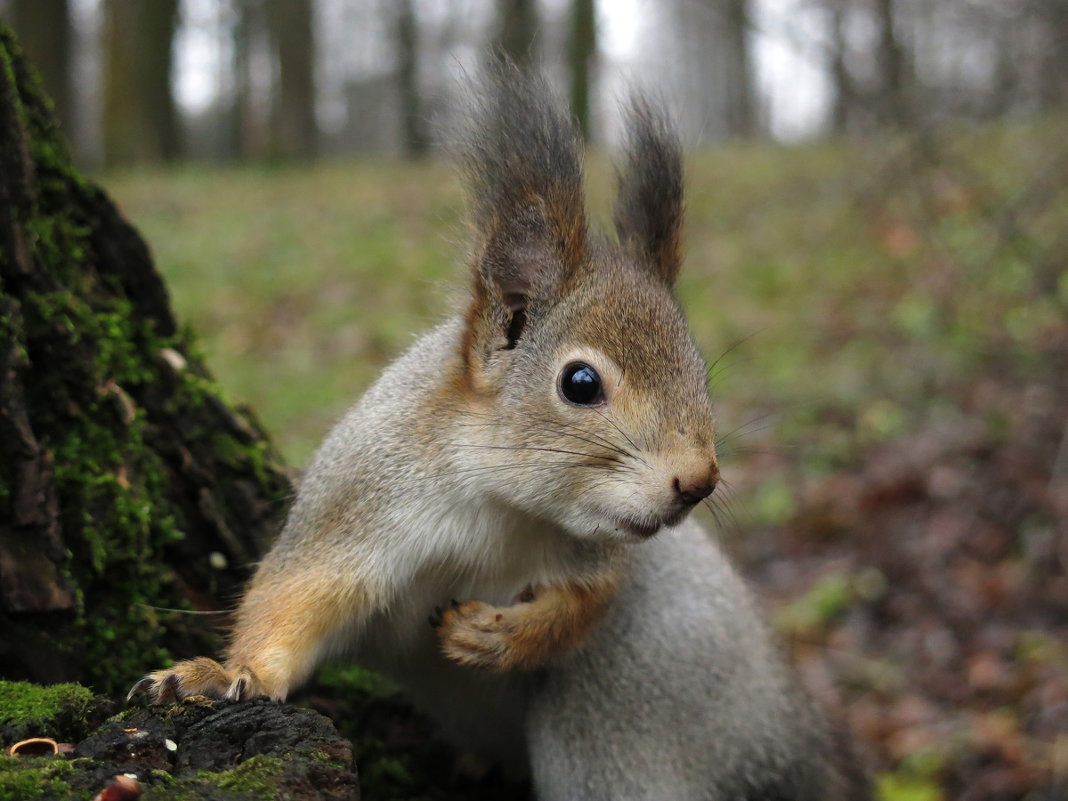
(522,162)
(649,207)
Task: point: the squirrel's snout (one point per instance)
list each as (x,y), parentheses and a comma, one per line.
(692,489)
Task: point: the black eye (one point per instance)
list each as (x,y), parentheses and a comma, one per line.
(580,384)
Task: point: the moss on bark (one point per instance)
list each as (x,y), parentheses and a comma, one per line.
(194,750)
(128,485)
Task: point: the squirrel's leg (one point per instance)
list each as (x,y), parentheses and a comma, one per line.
(544,622)
(285,620)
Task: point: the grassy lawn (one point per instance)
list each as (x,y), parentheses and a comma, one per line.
(864,300)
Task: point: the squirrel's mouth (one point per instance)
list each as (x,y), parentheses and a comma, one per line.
(643,529)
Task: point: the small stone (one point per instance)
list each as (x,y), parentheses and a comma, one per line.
(174,359)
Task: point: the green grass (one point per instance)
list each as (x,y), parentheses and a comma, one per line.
(846,285)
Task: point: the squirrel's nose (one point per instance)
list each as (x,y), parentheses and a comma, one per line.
(695,488)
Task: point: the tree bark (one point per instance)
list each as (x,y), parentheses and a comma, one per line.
(295,133)
(891,61)
(127,485)
(45,31)
(741,116)
(406,33)
(845,92)
(140,116)
(582,51)
(517,26)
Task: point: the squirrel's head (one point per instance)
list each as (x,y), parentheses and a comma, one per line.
(587,398)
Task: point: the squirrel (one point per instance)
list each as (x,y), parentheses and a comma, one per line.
(537,456)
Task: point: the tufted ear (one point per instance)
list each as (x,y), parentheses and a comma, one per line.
(521,159)
(649,207)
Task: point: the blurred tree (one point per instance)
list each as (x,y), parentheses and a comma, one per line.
(44,30)
(294,132)
(241,73)
(699,52)
(517,30)
(845,91)
(892,64)
(582,51)
(140,120)
(406,33)
(1052,18)
(738,86)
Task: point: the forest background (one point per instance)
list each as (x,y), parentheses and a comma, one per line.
(877,239)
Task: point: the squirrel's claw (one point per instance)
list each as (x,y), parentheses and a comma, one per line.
(141,687)
(197,677)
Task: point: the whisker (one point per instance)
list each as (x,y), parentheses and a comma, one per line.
(186,611)
(732,347)
(559,427)
(522,466)
(779,450)
(760,423)
(623,433)
(529,448)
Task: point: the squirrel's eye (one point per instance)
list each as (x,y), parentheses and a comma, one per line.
(580,384)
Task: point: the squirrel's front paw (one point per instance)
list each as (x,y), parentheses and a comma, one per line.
(200,676)
(476,634)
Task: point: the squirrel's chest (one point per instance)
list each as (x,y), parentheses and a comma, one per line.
(471,553)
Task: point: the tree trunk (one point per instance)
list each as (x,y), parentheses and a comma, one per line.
(295,132)
(845,90)
(517,26)
(582,50)
(741,119)
(140,117)
(45,32)
(892,65)
(128,487)
(406,34)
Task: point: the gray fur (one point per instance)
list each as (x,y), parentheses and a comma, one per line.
(678,695)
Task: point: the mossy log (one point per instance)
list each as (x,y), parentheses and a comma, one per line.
(128,486)
(200,749)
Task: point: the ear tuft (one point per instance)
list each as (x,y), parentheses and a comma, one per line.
(521,158)
(649,208)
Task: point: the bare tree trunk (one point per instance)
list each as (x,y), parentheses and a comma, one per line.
(1053,16)
(238,117)
(741,117)
(892,65)
(406,33)
(845,91)
(140,117)
(582,52)
(295,131)
(517,30)
(44,29)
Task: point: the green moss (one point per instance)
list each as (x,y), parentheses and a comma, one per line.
(30,710)
(35,778)
(255,776)
(20,700)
